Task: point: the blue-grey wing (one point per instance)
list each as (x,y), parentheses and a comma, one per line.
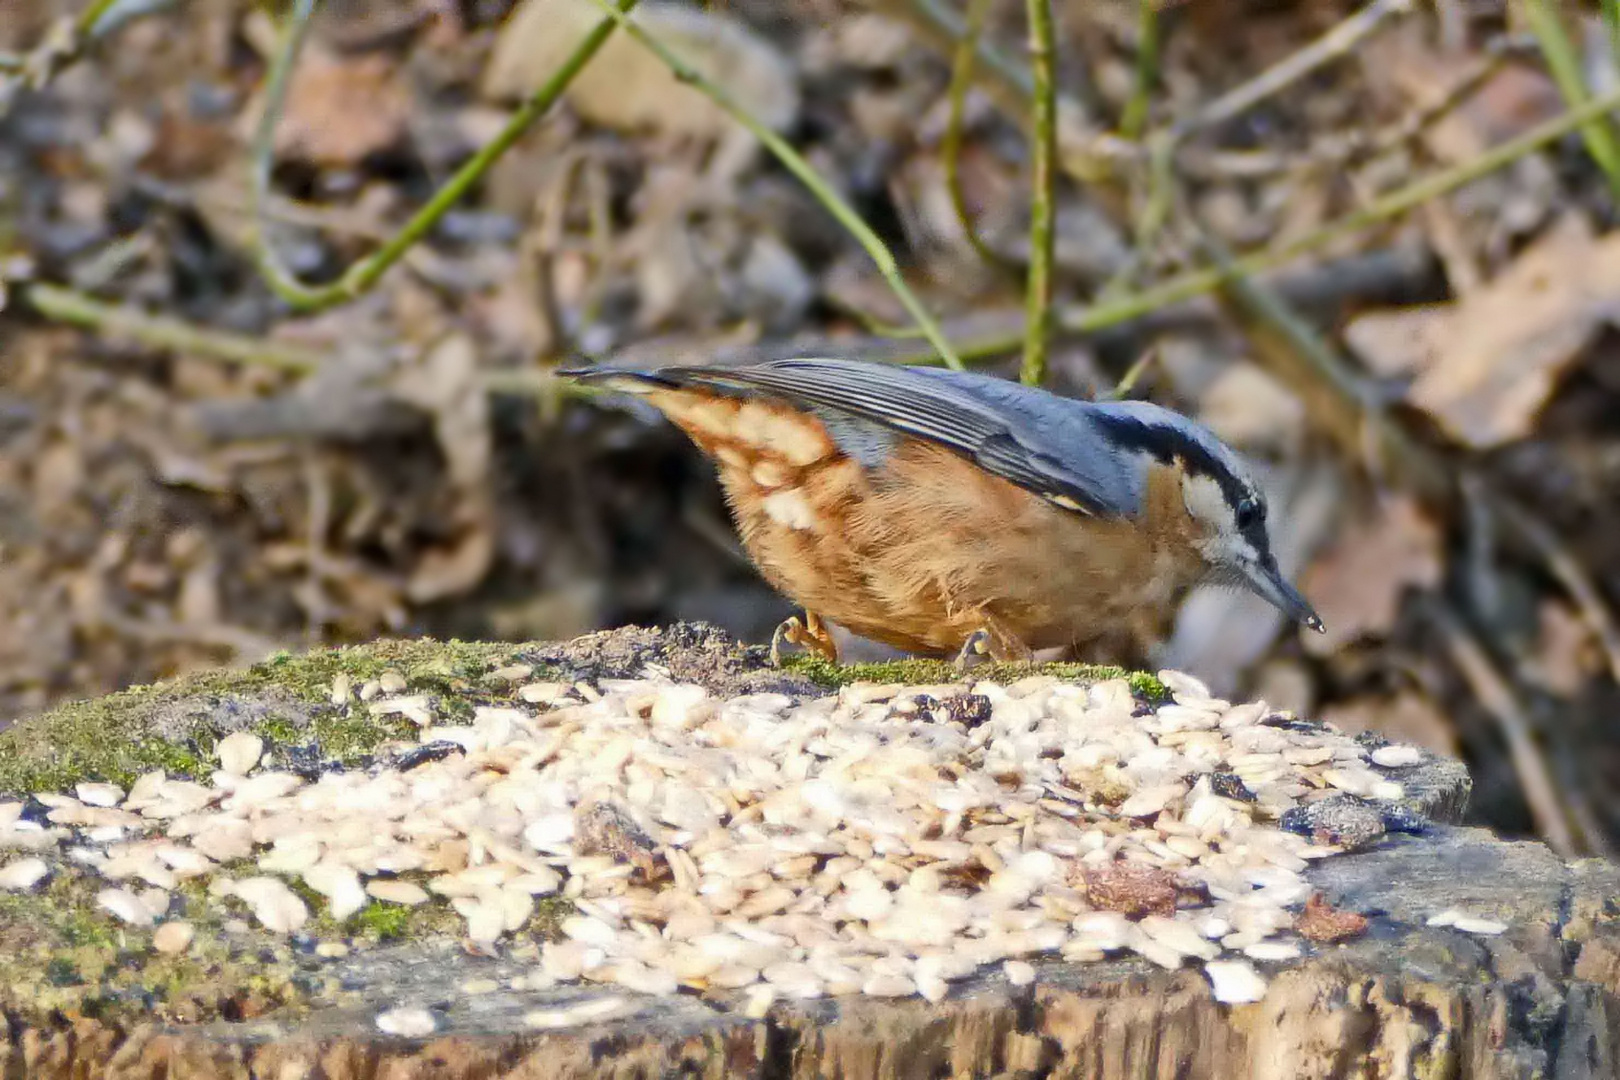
(1046,444)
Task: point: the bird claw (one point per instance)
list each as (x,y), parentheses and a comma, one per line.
(808,633)
(976,645)
(790,630)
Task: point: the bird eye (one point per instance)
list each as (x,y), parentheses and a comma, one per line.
(1249,513)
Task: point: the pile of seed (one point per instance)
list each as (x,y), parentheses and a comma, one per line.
(884,841)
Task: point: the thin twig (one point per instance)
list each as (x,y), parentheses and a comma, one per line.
(795,163)
(1350,409)
(1356,146)
(1565,63)
(362,275)
(84,24)
(950,150)
(1043,200)
(1010,86)
(1194,283)
(1133,120)
(164,332)
(1494,692)
(1383,208)
(1570,574)
(63,45)
(1133,375)
(1337,42)
(169,334)
(1611,22)
(1155,211)
(231,200)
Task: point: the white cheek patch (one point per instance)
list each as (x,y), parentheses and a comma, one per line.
(788,507)
(1207,505)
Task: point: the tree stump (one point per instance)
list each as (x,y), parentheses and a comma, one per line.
(85,994)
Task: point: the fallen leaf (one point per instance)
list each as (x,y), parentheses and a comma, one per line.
(1131,889)
(1405,718)
(445,383)
(1414,76)
(606,828)
(1251,409)
(455,568)
(1399,342)
(1563,660)
(1488,363)
(626,87)
(1323,923)
(1357,585)
(339,109)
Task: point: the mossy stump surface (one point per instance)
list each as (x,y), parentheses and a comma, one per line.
(84,996)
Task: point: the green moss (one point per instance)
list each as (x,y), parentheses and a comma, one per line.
(344,737)
(61,955)
(921,672)
(383,922)
(112,738)
(546,922)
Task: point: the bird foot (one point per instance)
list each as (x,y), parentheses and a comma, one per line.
(809,633)
(994,641)
(976,645)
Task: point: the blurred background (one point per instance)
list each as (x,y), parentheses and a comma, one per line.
(196,470)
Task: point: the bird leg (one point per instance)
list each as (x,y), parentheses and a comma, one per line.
(995,640)
(976,645)
(810,633)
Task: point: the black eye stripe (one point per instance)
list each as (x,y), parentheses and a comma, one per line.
(1173,443)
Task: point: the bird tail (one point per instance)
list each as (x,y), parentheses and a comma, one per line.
(626,380)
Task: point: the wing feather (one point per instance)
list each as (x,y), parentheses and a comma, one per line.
(1042,443)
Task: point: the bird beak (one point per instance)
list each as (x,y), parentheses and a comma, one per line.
(1267,580)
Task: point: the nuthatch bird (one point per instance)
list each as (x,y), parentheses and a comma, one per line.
(947,512)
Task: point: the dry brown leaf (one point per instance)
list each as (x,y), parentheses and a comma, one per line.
(1249,408)
(1131,889)
(607,828)
(455,568)
(445,383)
(1399,343)
(627,88)
(1357,585)
(1323,923)
(1489,362)
(1564,658)
(339,109)
(1406,718)
(1413,75)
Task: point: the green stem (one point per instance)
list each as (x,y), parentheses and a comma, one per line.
(1133,120)
(1043,204)
(1161,189)
(1564,62)
(967,48)
(795,163)
(361,276)
(1086,320)
(64,44)
(85,24)
(1397,202)
(164,332)
(1134,375)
